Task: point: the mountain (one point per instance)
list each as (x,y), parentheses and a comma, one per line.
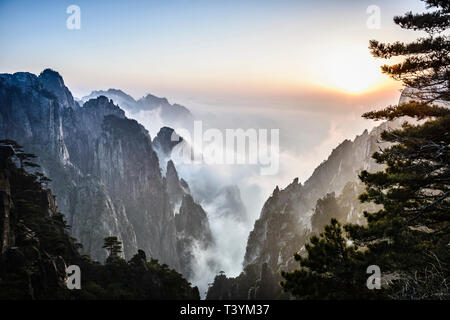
(291,215)
(166,140)
(35,250)
(105,172)
(193,234)
(159,110)
(224,199)
(331,176)
(191,221)
(122,99)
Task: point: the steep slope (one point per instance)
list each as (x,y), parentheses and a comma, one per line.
(291,215)
(165,141)
(191,221)
(341,167)
(193,233)
(104,170)
(35,251)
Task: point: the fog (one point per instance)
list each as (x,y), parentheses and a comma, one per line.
(309,130)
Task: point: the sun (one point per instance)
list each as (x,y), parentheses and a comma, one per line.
(354,74)
(350,71)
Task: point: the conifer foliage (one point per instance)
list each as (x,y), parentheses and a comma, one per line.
(36,247)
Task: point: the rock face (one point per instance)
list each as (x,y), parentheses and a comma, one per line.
(166,140)
(27,269)
(54,83)
(176,188)
(104,170)
(280,229)
(36,250)
(191,221)
(6,237)
(299,201)
(193,233)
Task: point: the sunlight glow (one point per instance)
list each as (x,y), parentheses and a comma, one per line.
(352,70)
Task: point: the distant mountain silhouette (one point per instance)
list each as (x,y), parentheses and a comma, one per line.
(170,115)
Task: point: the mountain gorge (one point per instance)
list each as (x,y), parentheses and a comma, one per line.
(291,215)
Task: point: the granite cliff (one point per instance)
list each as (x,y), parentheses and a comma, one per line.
(105,172)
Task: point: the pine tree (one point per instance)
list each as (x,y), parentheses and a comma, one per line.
(329,269)
(425,67)
(23,157)
(113,245)
(414,189)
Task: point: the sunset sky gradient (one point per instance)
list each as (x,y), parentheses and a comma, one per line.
(202,48)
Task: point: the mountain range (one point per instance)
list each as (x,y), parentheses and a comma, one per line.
(105,172)
(159,110)
(111,179)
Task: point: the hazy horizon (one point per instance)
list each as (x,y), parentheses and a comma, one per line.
(202,50)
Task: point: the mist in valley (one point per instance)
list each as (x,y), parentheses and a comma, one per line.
(308,131)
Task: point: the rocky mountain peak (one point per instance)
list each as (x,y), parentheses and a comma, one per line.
(176,188)
(166,140)
(154,101)
(171,171)
(103,107)
(154,111)
(193,231)
(22,80)
(51,77)
(294,185)
(117,91)
(118,96)
(54,83)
